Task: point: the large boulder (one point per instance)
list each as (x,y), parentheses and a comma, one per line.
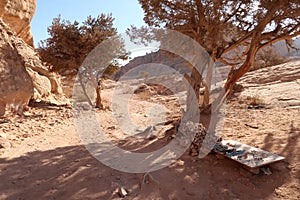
(17,15)
(23,75)
(16,87)
(47,85)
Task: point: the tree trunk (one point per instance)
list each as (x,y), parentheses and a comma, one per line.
(235,74)
(209,75)
(206,95)
(193,94)
(98,97)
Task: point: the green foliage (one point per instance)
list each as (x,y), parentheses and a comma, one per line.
(70,43)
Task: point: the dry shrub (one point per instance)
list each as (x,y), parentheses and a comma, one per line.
(267,58)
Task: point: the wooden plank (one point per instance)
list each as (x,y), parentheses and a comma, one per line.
(246,155)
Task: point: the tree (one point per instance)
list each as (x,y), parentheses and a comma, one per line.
(232,32)
(70,43)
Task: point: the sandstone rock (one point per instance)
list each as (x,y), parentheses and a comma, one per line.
(4,143)
(18,15)
(21,69)
(47,84)
(279,73)
(122,192)
(16,87)
(42,84)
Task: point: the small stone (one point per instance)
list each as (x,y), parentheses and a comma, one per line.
(3,135)
(111,128)
(122,192)
(4,143)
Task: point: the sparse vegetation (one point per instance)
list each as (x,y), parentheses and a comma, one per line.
(266,58)
(69,45)
(255,100)
(232,32)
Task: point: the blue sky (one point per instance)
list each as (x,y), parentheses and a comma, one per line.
(125,12)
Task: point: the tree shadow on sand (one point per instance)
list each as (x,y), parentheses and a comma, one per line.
(72,173)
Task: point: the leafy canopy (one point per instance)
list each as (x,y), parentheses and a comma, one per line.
(232,31)
(70,43)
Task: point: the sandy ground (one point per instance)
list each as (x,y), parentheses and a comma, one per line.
(44,157)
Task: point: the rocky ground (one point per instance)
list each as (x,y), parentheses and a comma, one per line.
(42,156)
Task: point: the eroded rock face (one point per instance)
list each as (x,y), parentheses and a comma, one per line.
(16,87)
(23,76)
(17,14)
(47,85)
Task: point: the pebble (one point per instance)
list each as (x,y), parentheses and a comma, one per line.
(4,143)
(122,192)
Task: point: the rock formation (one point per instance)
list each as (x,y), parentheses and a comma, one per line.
(23,75)
(16,87)
(18,15)
(159,57)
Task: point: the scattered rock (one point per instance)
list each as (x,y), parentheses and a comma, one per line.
(18,15)
(16,87)
(123,192)
(111,128)
(4,143)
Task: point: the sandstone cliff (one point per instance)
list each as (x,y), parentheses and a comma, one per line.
(16,86)
(17,14)
(22,74)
